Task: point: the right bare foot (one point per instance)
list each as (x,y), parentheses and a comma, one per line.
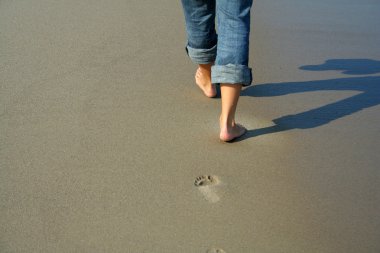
(232,132)
(203,80)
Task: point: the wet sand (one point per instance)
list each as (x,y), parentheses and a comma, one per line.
(103,132)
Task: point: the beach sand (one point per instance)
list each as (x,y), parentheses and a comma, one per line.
(103,132)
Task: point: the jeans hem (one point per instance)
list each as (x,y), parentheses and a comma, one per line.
(231,74)
(201,56)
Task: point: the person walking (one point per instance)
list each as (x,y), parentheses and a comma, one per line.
(222,55)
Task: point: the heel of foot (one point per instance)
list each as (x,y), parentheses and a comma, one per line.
(236,132)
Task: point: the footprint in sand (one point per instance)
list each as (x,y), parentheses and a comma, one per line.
(214,250)
(206,185)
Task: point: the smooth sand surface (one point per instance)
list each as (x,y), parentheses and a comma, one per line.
(103,131)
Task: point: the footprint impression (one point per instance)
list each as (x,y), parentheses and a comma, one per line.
(206,184)
(214,250)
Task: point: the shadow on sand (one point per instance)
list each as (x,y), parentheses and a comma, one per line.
(369,86)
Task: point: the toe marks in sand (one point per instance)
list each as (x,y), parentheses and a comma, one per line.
(204,180)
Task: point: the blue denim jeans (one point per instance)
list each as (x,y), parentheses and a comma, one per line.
(228,48)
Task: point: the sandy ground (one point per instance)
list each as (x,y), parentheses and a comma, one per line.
(103,131)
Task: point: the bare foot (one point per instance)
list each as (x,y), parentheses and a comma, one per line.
(231,133)
(203,80)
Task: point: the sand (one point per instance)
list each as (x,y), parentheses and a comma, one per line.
(103,132)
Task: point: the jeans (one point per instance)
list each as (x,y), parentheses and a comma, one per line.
(228,48)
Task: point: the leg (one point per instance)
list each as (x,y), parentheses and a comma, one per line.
(202,39)
(231,67)
(229,130)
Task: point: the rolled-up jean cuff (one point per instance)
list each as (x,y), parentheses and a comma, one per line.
(201,56)
(231,74)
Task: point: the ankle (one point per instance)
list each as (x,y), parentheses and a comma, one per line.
(203,72)
(226,122)
(205,68)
